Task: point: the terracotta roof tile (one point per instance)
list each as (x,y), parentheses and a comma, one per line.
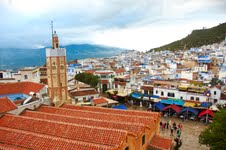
(120,71)
(161,143)
(90,71)
(135,128)
(10,147)
(98,72)
(37,141)
(20,87)
(99,100)
(83,133)
(97,115)
(6,105)
(114,111)
(83,93)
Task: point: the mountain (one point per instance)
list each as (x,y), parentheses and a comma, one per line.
(14,58)
(198,38)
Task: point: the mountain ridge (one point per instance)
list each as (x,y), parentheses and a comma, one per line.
(15,58)
(197,38)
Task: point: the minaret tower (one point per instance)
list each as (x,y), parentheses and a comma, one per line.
(57,72)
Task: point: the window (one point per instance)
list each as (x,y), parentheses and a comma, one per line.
(61,67)
(171,94)
(215,93)
(162,93)
(84,98)
(54,68)
(197,99)
(143,139)
(192,98)
(156,92)
(1,75)
(25,77)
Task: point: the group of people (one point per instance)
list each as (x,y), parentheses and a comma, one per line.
(173,127)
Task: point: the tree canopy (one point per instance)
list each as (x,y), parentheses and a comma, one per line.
(215,135)
(215,81)
(88,78)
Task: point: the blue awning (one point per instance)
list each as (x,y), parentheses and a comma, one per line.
(159,105)
(120,107)
(194,111)
(205,104)
(154,96)
(169,102)
(136,95)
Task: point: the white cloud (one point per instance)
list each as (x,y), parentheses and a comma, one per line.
(133,24)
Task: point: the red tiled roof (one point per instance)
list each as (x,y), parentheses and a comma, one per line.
(37,141)
(135,128)
(10,147)
(99,100)
(97,115)
(90,71)
(6,105)
(114,111)
(103,72)
(83,133)
(147,88)
(20,87)
(161,143)
(84,92)
(120,71)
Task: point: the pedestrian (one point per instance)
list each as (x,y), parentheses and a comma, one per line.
(179,126)
(163,125)
(175,126)
(167,125)
(178,133)
(171,131)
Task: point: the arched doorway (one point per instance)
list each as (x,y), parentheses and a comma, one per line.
(104,88)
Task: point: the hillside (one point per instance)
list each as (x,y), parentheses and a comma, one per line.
(198,38)
(14,58)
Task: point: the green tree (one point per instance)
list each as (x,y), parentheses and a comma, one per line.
(88,78)
(215,135)
(215,81)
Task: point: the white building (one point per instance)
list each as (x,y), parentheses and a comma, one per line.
(175,93)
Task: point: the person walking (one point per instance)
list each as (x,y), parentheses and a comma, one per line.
(167,125)
(171,131)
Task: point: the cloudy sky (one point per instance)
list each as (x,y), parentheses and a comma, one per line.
(131,24)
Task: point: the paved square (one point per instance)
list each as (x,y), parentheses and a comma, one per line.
(189,135)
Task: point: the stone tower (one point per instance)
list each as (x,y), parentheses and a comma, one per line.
(57,72)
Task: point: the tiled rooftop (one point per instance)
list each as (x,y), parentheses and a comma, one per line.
(113,111)
(161,143)
(134,128)
(10,147)
(84,92)
(97,115)
(65,130)
(99,100)
(6,105)
(31,140)
(20,87)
